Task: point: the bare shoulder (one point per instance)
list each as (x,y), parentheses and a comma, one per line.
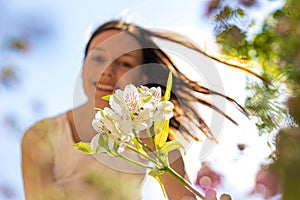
(37,132)
(37,159)
(40,130)
(36,142)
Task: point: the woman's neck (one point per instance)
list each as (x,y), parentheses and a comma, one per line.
(81,123)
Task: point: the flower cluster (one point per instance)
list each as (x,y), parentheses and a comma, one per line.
(131,111)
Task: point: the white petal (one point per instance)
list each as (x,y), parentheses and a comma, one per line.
(144,90)
(166,105)
(164,111)
(144,114)
(119,93)
(98,115)
(131,97)
(116,103)
(110,125)
(94,143)
(125,126)
(108,112)
(156,94)
(111,141)
(97,122)
(96,125)
(142,125)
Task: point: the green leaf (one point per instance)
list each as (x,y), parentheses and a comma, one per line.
(161,130)
(84,147)
(106,97)
(155,173)
(240,12)
(169,87)
(158,126)
(170,146)
(103,142)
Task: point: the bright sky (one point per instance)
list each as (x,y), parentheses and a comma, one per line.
(51,68)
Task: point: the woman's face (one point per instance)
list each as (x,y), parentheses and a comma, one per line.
(111,55)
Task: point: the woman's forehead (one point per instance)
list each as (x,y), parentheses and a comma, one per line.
(115,41)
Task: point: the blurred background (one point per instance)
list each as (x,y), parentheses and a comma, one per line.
(41,52)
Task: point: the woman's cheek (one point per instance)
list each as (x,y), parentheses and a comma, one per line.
(126,77)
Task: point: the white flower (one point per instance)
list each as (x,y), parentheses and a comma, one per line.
(164,111)
(118,125)
(101,147)
(108,122)
(150,97)
(134,107)
(98,123)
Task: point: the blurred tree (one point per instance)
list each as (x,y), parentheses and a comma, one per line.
(18,36)
(277,49)
(19,33)
(274,51)
(287,161)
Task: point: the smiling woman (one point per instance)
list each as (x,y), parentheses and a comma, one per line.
(116,54)
(107,62)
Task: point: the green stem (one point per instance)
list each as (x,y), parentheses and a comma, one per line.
(146,146)
(150,136)
(133,161)
(184,182)
(141,154)
(142,143)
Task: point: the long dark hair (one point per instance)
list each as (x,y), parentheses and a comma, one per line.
(187,90)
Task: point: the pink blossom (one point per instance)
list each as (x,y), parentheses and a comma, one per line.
(267,183)
(207,178)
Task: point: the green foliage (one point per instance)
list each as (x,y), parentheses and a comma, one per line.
(287,162)
(276,49)
(233,42)
(294,108)
(227,17)
(170,146)
(263,102)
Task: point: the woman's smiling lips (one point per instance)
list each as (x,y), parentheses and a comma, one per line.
(104,86)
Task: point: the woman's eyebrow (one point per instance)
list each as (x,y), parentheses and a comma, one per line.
(130,54)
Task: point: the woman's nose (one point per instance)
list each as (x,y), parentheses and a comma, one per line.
(110,69)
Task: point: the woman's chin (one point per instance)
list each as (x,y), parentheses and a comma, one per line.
(100,103)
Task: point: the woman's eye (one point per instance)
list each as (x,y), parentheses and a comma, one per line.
(126,64)
(98,59)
